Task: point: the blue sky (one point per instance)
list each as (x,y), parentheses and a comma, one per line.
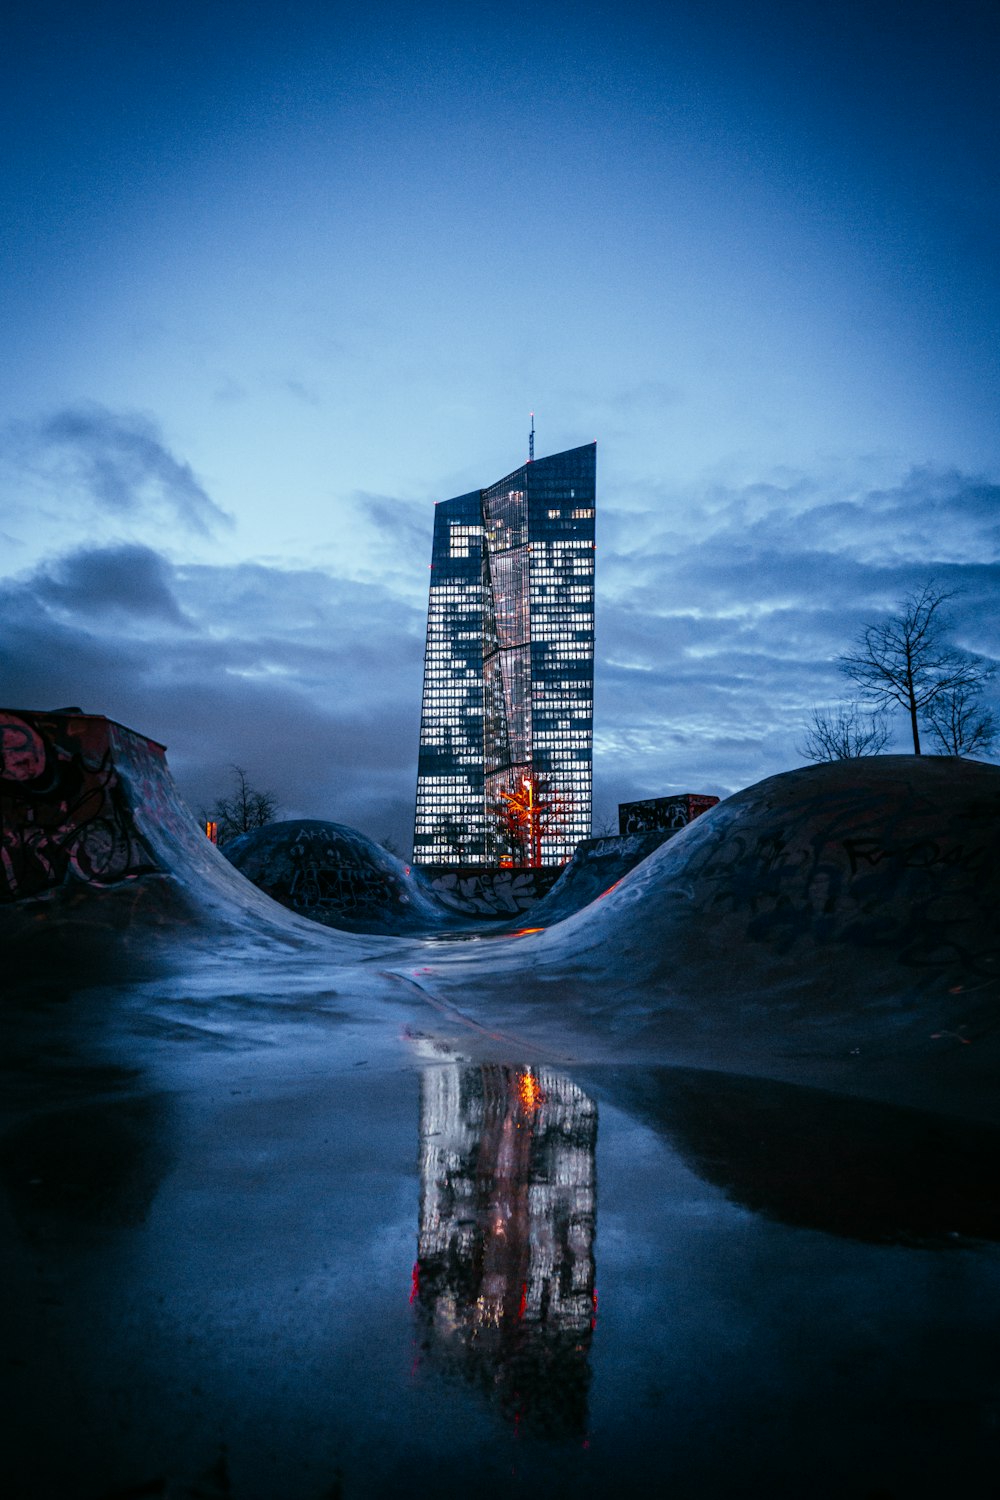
(278,278)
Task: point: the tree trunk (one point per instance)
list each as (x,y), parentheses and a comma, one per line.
(911,695)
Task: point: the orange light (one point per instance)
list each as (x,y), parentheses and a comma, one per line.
(530,1091)
(523,931)
(212,832)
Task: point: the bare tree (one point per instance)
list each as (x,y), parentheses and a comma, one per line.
(247,808)
(532,808)
(907,661)
(959,723)
(844,734)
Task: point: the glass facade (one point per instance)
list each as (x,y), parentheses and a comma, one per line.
(509,664)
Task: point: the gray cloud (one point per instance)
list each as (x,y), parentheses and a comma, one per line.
(120,462)
(128,580)
(312,683)
(400,529)
(307,394)
(720,616)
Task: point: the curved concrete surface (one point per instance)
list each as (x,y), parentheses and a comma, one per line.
(833,907)
(335,875)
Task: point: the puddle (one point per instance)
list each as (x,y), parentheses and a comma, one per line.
(504,1281)
(431,1275)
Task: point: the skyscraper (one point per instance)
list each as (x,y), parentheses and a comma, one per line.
(509,667)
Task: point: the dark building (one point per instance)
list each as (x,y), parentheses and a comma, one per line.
(662,814)
(507,716)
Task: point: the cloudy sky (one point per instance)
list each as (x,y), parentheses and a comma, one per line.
(277,278)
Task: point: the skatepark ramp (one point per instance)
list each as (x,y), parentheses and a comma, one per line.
(89,807)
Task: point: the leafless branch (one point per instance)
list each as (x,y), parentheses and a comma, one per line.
(246,808)
(844,733)
(960,724)
(906,660)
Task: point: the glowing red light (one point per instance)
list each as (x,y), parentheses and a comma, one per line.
(415,1282)
(530,1091)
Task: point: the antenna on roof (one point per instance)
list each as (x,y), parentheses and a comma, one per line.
(531,440)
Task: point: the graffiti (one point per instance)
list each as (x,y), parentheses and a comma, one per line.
(347,888)
(663,814)
(504,1285)
(64,814)
(346,885)
(877,868)
(324,871)
(485,892)
(923,854)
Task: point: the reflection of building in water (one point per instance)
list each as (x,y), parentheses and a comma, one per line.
(505,1270)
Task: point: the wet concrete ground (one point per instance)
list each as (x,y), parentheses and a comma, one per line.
(288,1246)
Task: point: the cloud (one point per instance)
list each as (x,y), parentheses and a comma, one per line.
(307,394)
(721,615)
(406,525)
(312,683)
(119,462)
(390,544)
(128,580)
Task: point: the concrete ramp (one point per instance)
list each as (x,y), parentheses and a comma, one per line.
(336,875)
(852,879)
(94,831)
(594,871)
(837,908)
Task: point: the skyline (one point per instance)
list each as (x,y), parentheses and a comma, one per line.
(269,287)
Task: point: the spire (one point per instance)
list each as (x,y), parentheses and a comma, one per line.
(531,440)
